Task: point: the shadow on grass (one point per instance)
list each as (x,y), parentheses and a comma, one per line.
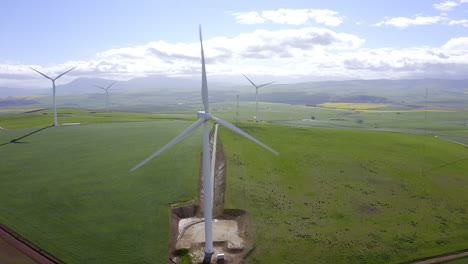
(17,140)
(448,164)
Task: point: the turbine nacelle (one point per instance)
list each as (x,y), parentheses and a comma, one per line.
(105,88)
(204,116)
(257,86)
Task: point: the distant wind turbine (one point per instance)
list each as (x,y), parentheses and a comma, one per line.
(237,110)
(256,94)
(107,94)
(204,118)
(53,89)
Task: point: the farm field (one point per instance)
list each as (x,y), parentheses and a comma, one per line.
(44,118)
(349,196)
(446,117)
(333,196)
(446,124)
(353,106)
(69,190)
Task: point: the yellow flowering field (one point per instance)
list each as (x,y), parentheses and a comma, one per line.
(352,106)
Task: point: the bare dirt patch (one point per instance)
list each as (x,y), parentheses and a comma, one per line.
(232,231)
(10,254)
(367,209)
(26,247)
(231,235)
(70,124)
(441,258)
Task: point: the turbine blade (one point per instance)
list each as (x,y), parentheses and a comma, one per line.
(242,133)
(41,73)
(60,75)
(100,87)
(176,140)
(204,81)
(110,85)
(250,81)
(265,84)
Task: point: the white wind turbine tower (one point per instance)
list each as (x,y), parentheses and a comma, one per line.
(107,94)
(256,94)
(53,89)
(237,110)
(204,118)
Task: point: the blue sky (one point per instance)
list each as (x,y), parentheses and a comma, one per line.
(287,40)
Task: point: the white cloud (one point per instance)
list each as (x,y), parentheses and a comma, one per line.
(326,17)
(287,16)
(223,55)
(248,18)
(260,44)
(463,22)
(456,44)
(446,6)
(291,17)
(403,22)
(417,62)
(318,52)
(298,52)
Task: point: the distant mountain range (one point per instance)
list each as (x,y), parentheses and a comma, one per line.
(158,83)
(87,85)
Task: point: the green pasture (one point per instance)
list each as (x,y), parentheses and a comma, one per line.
(449,125)
(45,117)
(20,108)
(118,102)
(333,196)
(69,190)
(392,118)
(337,196)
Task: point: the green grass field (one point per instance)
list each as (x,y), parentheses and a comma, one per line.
(333,196)
(45,117)
(449,125)
(338,196)
(405,118)
(69,189)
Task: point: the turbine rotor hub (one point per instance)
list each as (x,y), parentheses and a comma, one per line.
(203,115)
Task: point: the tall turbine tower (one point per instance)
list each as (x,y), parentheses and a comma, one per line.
(204,118)
(237,111)
(107,94)
(256,94)
(53,89)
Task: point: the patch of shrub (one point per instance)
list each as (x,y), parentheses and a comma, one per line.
(181,252)
(184,255)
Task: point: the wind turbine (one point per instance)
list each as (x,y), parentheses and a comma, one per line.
(256,94)
(204,118)
(107,94)
(53,89)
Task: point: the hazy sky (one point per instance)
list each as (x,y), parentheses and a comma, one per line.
(305,40)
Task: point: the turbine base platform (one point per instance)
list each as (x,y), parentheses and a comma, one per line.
(230,235)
